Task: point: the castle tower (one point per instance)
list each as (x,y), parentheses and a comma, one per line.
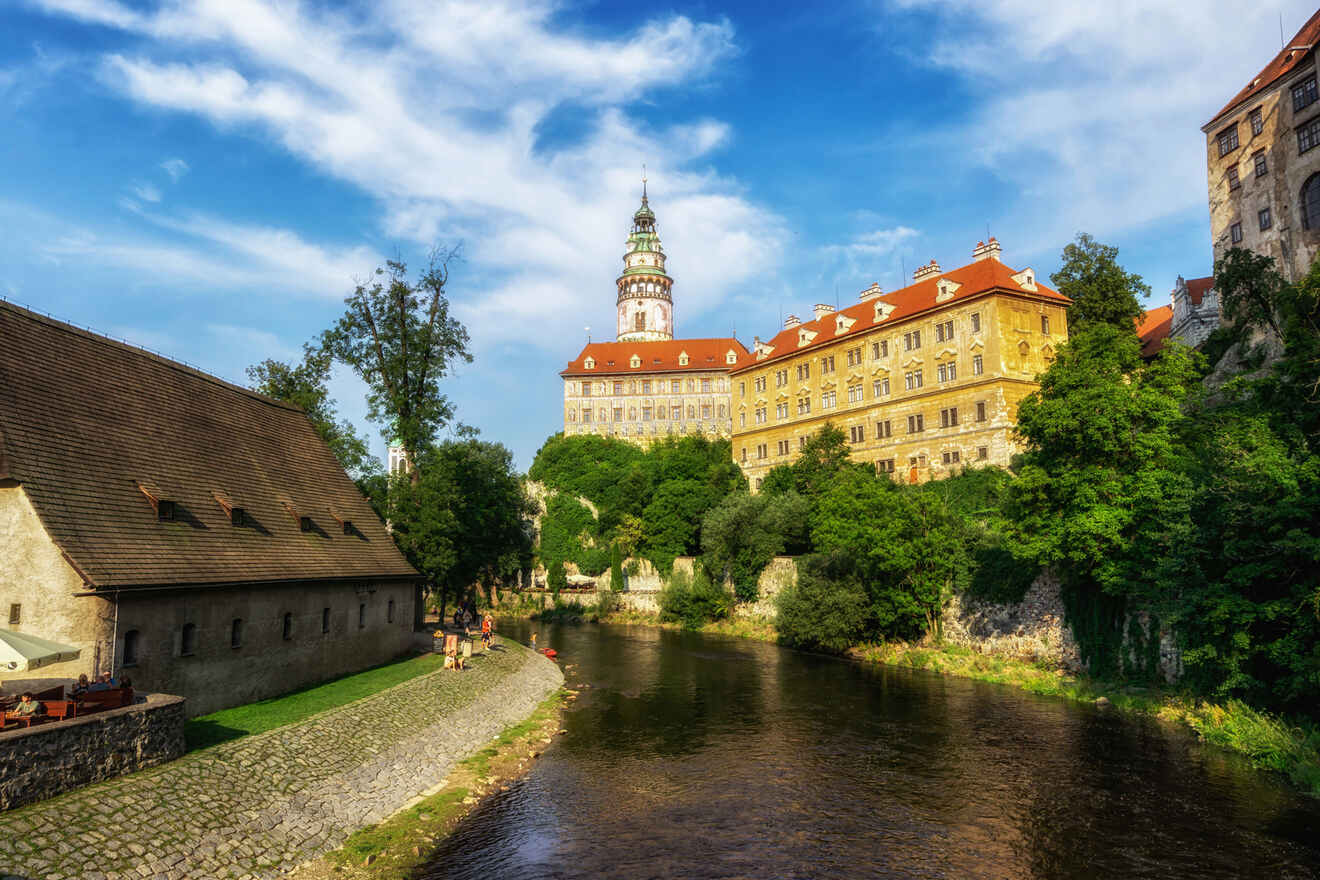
(646,309)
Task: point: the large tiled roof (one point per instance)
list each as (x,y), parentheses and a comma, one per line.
(1153,330)
(975,278)
(661,356)
(87,423)
(1288,60)
(1197,287)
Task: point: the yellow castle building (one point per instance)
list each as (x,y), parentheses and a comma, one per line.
(922,380)
(648,385)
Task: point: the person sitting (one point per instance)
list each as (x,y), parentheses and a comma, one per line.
(27,707)
(81,687)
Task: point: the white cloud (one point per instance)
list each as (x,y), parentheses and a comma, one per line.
(146,192)
(175,168)
(436,110)
(1091,116)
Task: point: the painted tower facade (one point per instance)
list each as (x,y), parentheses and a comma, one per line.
(646,307)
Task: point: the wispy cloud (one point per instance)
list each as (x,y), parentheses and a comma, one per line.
(386,102)
(146,192)
(175,168)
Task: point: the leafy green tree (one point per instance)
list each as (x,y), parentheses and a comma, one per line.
(1101,290)
(568,531)
(1250,290)
(827,610)
(399,337)
(741,534)
(305,384)
(693,601)
(824,457)
(673,521)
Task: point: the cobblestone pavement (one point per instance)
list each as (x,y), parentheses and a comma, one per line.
(259,806)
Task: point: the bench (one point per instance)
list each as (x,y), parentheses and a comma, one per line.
(111,698)
(58,710)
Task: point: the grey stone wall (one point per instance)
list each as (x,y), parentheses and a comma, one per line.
(1033,629)
(40,762)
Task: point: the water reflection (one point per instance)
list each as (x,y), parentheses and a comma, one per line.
(692,756)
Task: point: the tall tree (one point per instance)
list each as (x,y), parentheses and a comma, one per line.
(1101,290)
(1249,290)
(400,338)
(305,385)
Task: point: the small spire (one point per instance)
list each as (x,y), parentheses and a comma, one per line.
(643,183)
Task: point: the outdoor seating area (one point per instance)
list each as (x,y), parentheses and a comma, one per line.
(53,705)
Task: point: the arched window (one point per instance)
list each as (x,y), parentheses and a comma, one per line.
(389,612)
(188,642)
(236,633)
(639,321)
(131,639)
(288,626)
(1311,202)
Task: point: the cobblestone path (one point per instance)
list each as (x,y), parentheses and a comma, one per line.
(259,806)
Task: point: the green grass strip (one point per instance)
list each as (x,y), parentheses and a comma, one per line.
(228,724)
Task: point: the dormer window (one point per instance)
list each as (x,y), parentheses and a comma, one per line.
(589,363)
(634,362)
(945,289)
(731,357)
(165,510)
(304,523)
(683,359)
(237,516)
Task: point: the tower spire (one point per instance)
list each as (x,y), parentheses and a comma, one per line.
(646,309)
(643,183)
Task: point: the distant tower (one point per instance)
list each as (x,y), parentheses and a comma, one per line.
(646,309)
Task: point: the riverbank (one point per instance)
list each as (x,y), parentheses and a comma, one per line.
(399,847)
(1267,741)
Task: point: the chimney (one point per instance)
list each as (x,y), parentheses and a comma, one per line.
(926,271)
(792,321)
(821,310)
(986,250)
(871,292)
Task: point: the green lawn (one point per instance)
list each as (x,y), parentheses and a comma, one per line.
(227,724)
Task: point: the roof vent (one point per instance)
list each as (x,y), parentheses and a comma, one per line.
(986,250)
(871,292)
(343,520)
(821,310)
(237,515)
(926,271)
(165,508)
(792,321)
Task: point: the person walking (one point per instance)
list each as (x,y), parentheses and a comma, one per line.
(486,624)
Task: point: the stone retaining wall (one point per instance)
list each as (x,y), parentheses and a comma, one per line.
(1033,629)
(40,762)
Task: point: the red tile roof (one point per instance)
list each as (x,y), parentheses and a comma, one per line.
(657,357)
(92,429)
(1153,329)
(1288,59)
(1197,287)
(975,278)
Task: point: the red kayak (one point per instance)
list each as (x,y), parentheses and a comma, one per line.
(551,653)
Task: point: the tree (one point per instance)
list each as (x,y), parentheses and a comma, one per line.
(824,457)
(1101,291)
(827,610)
(401,340)
(304,385)
(741,534)
(1249,290)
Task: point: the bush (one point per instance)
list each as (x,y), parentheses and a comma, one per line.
(693,601)
(556,578)
(744,532)
(821,614)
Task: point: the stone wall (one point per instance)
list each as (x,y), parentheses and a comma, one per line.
(43,761)
(781,573)
(1033,629)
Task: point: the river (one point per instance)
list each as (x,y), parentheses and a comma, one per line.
(691,756)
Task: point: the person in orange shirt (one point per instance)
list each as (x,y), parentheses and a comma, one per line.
(486,623)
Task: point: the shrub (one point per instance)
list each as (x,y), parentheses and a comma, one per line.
(820,614)
(744,532)
(556,578)
(693,601)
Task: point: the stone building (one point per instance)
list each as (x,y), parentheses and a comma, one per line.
(922,380)
(1191,316)
(648,385)
(189,533)
(1262,161)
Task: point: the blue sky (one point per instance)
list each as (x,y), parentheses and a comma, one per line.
(208,178)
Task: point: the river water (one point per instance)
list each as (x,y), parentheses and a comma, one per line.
(693,756)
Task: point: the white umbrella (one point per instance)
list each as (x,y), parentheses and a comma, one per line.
(20,652)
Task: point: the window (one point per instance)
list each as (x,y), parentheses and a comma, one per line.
(1257,121)
(916,424)
(131,640)
(362,615)
(705,386)
(947,372)
(827,365)
(677,385)
(286,631)
(744,454)
(325,620)
(782,447)
(1311,203)
(762,451)
(646,386)
(586,415)
(944,332)
(880,349)
(759,383)
(1045,324)
(982,453)
(1262,167)
(618,388)
(236,633)
(854,356)
(165,510)
(978,365)
(586,389)
(804,372)
(742,389)
(15,614)
(1304,93)
(885,466)
(1308,135)
(884,429)
(389,612)
(804,405)
(705,410)
(348,527)
(1228,140)
(855,394)
(1263,217)
(856,433)
(912,340)
(237,517)
(1233,182)
(880,387)
(692,385)
(976,322)
(781,410)
(802,443)
(912,380)
(1235,233)
(647,412)
(980,410)
(829,399)
(951,457)
(781,378)
(760,415)
(949,417)
(305,523)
